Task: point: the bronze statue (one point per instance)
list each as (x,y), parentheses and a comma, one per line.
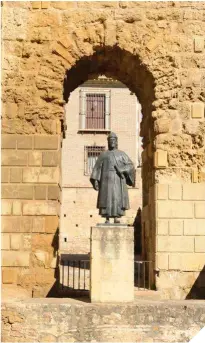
(112,172)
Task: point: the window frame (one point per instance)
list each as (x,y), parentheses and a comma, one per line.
(101,148)
(82,109)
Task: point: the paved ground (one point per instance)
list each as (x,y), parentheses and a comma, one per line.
(14,293)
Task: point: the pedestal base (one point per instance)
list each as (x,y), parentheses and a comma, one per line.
(112,264)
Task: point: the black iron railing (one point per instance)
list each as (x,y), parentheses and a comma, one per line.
(143,274)
(75,275)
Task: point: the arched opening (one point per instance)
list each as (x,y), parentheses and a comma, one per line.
(130,71)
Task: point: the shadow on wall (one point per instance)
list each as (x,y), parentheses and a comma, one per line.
(55,244)
(198,289)
(138,233)
(74,278)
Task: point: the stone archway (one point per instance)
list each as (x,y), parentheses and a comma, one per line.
(38,49)
(127,68)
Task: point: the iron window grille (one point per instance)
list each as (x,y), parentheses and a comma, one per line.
(91,156)
(94,109)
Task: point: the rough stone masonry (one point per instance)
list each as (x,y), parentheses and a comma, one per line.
(158,50)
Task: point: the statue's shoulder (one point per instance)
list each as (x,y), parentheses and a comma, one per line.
(120,153)
(103,155)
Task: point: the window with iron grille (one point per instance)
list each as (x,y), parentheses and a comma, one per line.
(94,109)
(91,156)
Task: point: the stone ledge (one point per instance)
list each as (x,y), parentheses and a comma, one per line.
(81,321)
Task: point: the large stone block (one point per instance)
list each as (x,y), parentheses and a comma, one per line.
(6,207)
(175,192)
(50,158)
(10,224)
(200,209)
(17,192)
(112,264)
(38,224)
(176,227)
(175,243)
(41,175)
(5,243)
(175,209)
(8,141)
(51,224)
(24,142)
(36,4)
(187,261)
(194,227)
(194,191)
(200,243)
(162,227)
(15,258)
(16,174)
(16,241)
(162,261)
(162,191)
(40,208)
(199,44)
(9,275)
(4,174)
(17,208)
(197,110)
(46,142)
(14,158)
(35,158)
(40,192)
(160,159)
(53,192)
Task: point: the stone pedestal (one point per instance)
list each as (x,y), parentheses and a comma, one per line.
(112,263)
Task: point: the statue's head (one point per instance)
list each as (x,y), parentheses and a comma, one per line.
(112,141)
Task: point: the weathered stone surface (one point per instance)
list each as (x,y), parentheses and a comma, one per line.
(38,208)
(5,241)
(24,142)
(15,259)
(41,175)
(40,192)
(14,158)
(53,192)
(46,142)
(51,224)
(9,275)
(35,158)
(4,175)
(17,192)
(17,208)
(177,322)
(6,207)
(50,159)
(171,209)
(8,142)
(15,175)
(112,255)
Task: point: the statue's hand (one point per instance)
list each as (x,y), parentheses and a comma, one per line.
(96,185)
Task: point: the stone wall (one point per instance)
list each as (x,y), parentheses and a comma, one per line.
(64,320)
(30,209)
(157,50)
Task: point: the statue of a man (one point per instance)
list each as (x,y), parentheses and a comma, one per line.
(112,172)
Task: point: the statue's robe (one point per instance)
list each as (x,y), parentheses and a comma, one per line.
(113,193)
